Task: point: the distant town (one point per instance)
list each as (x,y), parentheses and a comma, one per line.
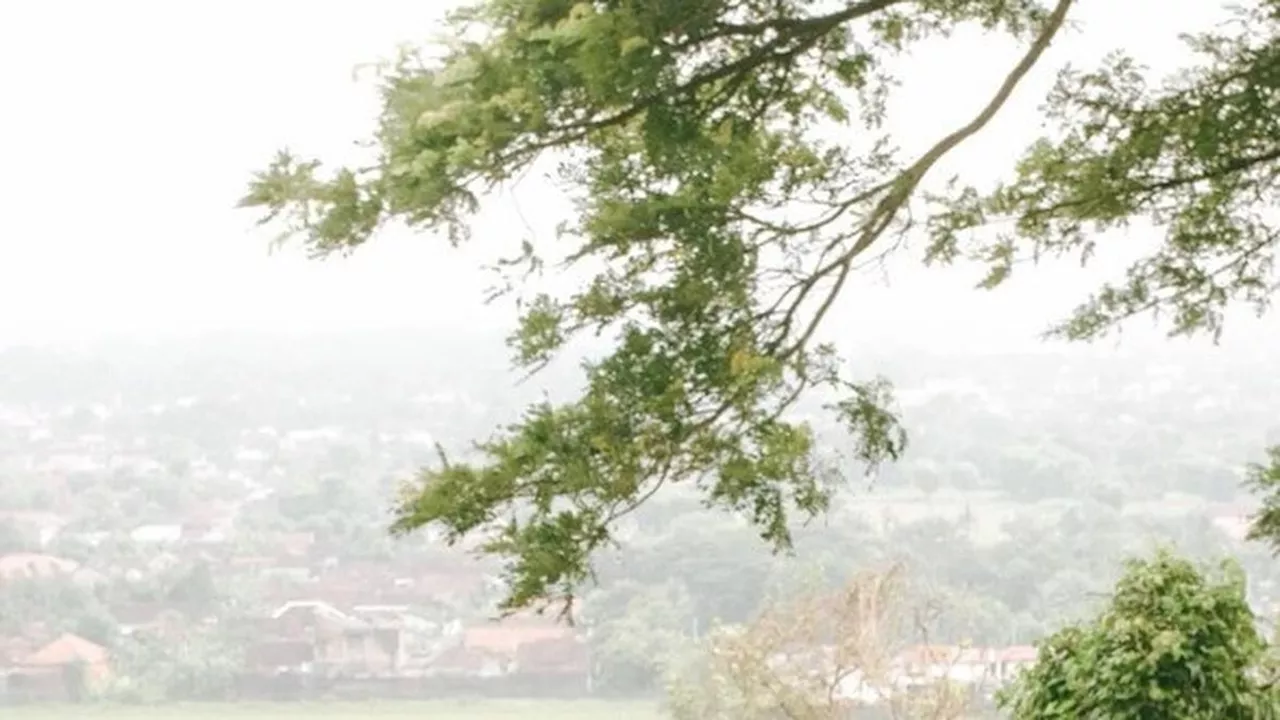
(218,531)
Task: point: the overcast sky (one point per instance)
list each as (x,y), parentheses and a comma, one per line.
(130,128)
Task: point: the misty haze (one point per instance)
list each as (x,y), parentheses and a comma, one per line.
(704,360)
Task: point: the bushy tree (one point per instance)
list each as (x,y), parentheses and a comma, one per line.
(201,663)
(59,603)
(1174,642)
(635,631)
(816,656)
(730,172)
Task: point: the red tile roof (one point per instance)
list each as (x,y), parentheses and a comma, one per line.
(507,639)
(554,656)
(66,650)
(1019,653)
(461,659)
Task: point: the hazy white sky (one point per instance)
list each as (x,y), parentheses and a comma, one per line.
(130,128)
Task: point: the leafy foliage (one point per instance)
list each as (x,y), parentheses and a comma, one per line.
(200,664)
(27,600)
(722,209)
(1172,644)
(1197,157)
(1264,480)
(694,139)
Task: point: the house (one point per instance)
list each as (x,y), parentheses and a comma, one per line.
(560,657)
(507,638)
(422,640)
(342,644)
(850,679)
(964,665)
(469,662)
(68,668)
(17,566)
(313,610)
(315,636)
(1013,660)
(930,663)
(524,646)
(68,650)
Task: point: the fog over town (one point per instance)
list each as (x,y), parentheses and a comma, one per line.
(249,476)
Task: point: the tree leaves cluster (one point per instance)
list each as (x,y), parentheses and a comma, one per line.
(730,172)
(1196,156)
(1174,642)
(687,133)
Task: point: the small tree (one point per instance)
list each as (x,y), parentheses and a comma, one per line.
(813,658)
(635,630)
(1173,643)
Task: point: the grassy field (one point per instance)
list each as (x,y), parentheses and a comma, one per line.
(440,710)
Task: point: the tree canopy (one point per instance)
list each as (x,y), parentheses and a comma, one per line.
(1173,643)
(722,207)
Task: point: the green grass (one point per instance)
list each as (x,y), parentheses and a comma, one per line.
(425,710)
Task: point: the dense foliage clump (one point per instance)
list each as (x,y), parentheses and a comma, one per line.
(1173,643)
(722,202)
